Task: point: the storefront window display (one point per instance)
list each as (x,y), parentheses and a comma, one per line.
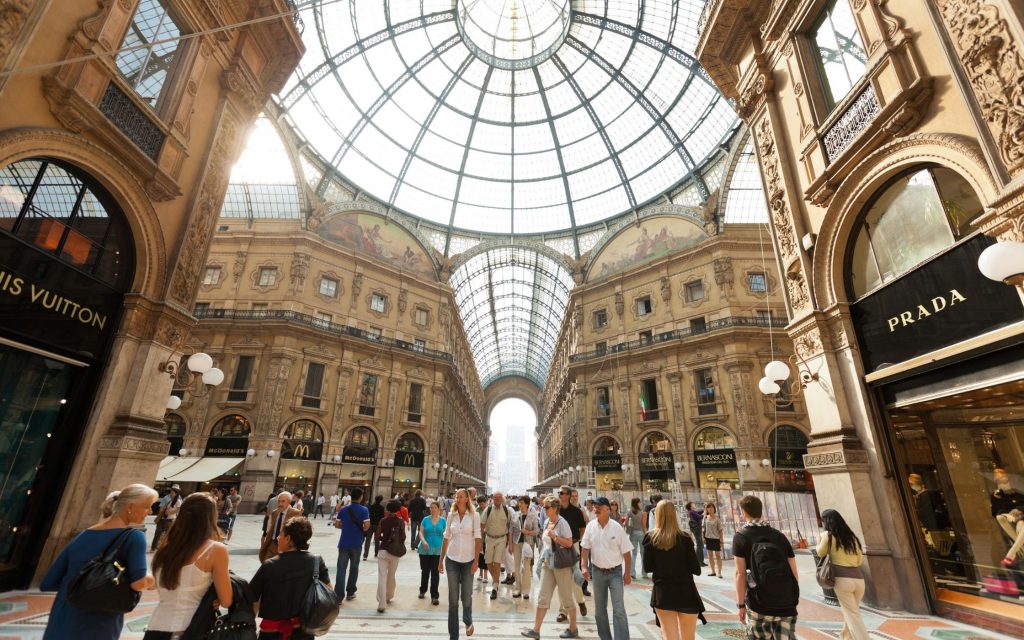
(358,459)
(408,464)
(229,437)
(657,464)
(788,446)
(714,458)
(607,463)
(301,451)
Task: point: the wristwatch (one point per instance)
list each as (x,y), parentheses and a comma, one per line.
(740,605)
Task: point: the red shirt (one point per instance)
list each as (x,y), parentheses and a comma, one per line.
(403,513)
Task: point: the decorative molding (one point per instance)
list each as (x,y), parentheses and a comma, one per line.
(132,444)
(403,300)
(254,276)
(839,458)
(298,272)
(807,341)
(774,187)
(239,267)
(339,291)
(221,276)
(666,289)
(619,304)
(387,303)
(993,61)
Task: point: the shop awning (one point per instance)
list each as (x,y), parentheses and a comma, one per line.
(171,465)
(206,469)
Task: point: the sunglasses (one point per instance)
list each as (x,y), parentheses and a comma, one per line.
(563,493)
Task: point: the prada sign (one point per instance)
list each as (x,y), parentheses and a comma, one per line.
(408,458)
(301,450)
(607,462)
(353,455)
(715,459)
(226,447)
(942,303)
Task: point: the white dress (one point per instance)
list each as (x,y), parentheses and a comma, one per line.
(177,606)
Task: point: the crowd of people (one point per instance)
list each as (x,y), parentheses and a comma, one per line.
(591,550)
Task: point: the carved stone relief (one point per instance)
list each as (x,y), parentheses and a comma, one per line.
(299,271)
(239,268)
(775,188)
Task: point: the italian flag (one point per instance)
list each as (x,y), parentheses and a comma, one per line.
(643,405)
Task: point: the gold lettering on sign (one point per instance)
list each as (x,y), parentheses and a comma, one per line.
(14,286)
(920,312)
(301,451)
(408,460)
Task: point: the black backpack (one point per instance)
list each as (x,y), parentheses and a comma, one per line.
(320,606)
(773,581)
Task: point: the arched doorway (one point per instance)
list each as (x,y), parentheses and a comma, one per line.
(788,446)
(512,460)
(301,450)
(66,260)
(358,460)
(408,476)
(657,464)
(607,463)
(714,458)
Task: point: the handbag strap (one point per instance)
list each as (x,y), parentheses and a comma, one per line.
(316,568)
(115,545)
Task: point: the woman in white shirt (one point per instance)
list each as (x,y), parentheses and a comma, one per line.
(556,532)
(188,561)
(459,555)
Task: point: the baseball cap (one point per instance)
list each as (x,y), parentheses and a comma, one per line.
(602,502)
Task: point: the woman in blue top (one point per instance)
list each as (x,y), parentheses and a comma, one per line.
(125,509)
(431,540)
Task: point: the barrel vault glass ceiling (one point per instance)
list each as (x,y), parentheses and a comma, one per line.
(506,118)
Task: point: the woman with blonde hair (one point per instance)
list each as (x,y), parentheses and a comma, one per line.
(557,532)
(123,512)
(669,554)
(189,559)
(460,552)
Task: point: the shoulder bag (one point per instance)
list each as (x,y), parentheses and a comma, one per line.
(825,573)
(564,557)
(396,544)
(320,606)
(101,585)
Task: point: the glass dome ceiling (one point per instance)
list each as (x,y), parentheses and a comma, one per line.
(507,116)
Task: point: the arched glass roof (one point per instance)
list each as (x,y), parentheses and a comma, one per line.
(507,116)
(512,301)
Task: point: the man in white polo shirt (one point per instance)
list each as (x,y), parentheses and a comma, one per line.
(607,549)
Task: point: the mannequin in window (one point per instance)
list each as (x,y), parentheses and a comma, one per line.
(1012,524)
(930,507)
(1005,498)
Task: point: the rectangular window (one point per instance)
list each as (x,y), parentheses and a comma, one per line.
(601,348)
(645,337)
(600,318)
(706,404)
(643,306)
(839,51)
(239,391)
(419,345)
(694,291)
(698,325)
(211,276)
(368,395)
(202,308)
(757,282)
(378,303)
(321,319)
(649,400)
(314,385)
(267,276)
(415,402)
(421,317)
(328,287)
(148,50)
(604,407)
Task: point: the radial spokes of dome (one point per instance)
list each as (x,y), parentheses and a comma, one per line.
(512,34)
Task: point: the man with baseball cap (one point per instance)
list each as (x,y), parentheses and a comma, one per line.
(607,549)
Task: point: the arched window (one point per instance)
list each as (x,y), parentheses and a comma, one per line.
(655,442)
(306,430)
(232,426)
(606,445)
(64,212)
(918,215)
(787,437)
(714,438)
(361,438)
(410,442)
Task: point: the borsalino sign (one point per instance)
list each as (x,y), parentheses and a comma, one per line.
(941,303)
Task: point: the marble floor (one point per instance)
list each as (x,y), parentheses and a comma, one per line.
(23,614)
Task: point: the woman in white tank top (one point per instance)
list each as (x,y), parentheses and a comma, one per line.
(189,559)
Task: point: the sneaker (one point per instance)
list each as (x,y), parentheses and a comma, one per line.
(583,608)
(494,594)
(422,595)
(570,633)
(530,633)
(561,617)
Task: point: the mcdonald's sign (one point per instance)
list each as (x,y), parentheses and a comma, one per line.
(408,458)
(301,450)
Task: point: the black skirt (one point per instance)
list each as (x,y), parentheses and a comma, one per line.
(713,544)
(673,572)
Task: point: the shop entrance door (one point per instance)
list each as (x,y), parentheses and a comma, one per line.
(34,445)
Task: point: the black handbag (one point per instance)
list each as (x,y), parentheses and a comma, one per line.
(564,557)
(396,545)
(236,624)
(320,606)
(101,585)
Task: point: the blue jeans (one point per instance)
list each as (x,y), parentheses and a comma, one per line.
(460,585)
(348,557)
(635,539)
(604,583)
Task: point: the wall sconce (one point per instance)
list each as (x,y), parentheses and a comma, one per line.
(270,453)
(1003,262)
(390,462)
(744,463)
(766,463)
(336,458)
(579,468)
(777,372)
(445,466)
(204,376)
(250,453)
(182,452)
(437,465)
(678,465)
